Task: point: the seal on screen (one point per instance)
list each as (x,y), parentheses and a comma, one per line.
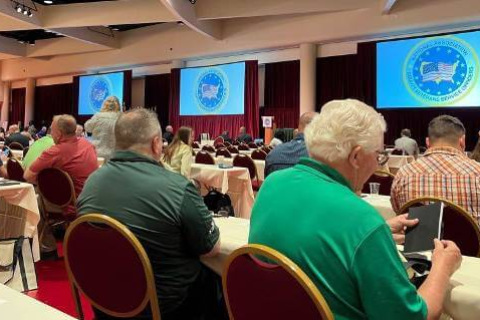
(440,71)
(211,90)
(99,90)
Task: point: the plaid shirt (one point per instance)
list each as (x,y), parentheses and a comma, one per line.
(443,172)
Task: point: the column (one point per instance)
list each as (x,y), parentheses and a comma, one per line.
(308,77)
(29,100)
(6,102)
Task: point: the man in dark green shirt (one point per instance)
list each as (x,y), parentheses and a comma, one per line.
(165,212)
(312,214)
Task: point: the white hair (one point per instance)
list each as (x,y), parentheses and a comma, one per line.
(341,126)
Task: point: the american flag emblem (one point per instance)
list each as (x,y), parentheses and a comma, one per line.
(438,71)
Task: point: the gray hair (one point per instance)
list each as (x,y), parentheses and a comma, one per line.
(446,128)
(66,124)
(406,133)
(341,126)
(136,128)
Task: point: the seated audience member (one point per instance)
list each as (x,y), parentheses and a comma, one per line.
(226,137)
(165,212)
(2,133)
(101,127)
(444,171)
(42,132)
(406,143)
(339,240)
(168,134)
(295,133)
(178,154)
(278,138)
(27,134)
(79,131)
(37,148)
(74,155)
(16,136)
(31,129)
(288,154)
(243,136)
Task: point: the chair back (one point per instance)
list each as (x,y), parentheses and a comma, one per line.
(258,155)
(236,143)
(458,225)
(223,152)
(227,144)
(242,160)
(15,170)
(232,149)
(25,151)
(218,140)
(398,152)
(244,147)
(204,157)
(219,146)
(266,149)
(208,148)
(276,290)
(252,145)
(117,282)
(15,146)
(384,178)
(56,187)
(195,145)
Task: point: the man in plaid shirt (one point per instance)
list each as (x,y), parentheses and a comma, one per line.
(443,172)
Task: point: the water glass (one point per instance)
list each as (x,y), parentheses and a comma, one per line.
(374,188)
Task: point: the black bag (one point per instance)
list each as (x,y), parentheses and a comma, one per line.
(216,201)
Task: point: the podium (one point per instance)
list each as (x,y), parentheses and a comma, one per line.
(268,125)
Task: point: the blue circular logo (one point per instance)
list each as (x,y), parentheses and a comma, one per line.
(100,89)
(441,70)
(211,90)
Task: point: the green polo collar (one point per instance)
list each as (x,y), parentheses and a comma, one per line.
(325,170)
(127,156)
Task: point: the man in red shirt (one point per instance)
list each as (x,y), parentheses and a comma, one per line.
(74,155)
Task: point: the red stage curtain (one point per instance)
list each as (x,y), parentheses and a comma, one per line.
(282,93)
(157,96)
(17,111)
(214,125)
(52,100)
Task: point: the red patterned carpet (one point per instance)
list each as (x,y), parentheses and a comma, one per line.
(54,289)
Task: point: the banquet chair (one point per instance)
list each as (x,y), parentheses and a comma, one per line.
(244,161)
(385,179)
(56,192)
(223,152)
(266,149)
(15,170)
(252,145)
(120,282)
(243,147)
(15,146)
(232,149)
(227,144)
(279,289)
(25,151)
(208,148)
(195,145)
(398,152)
(219,146)
(458,224)
(258,155)
(236,143)
(204,157)
(218,140)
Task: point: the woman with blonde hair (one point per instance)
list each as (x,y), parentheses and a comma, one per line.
(178,154)
(101,127)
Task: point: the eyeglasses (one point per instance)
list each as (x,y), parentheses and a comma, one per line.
(382,157)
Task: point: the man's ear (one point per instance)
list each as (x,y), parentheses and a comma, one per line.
(353,157)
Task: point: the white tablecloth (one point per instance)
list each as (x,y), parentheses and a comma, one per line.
(381,203)
(234,181)
(260,164)
(18,306)
(18,205)
(18,154)
(462,303)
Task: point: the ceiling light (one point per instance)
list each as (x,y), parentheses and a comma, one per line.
(47,1)
(30,14)
(19,8)
(25,11)
(31,42)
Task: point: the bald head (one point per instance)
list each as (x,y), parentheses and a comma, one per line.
(63,127)
(305,119)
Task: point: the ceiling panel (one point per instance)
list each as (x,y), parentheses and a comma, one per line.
(29,36)
(56,2)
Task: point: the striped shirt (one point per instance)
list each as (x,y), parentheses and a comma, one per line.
(443,172)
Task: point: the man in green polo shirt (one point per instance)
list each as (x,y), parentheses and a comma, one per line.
(165,212)
(312,214)
(36,149)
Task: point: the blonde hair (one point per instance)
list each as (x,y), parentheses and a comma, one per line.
(111,104)
(341,126)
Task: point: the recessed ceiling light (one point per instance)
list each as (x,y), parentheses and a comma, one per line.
(25,11)
(19,9)
(47,1)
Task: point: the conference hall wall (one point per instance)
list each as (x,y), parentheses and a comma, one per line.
(355,76)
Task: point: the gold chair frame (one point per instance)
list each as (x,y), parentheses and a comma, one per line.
(151,294)
(384,173)
(457,209)
(289,266)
